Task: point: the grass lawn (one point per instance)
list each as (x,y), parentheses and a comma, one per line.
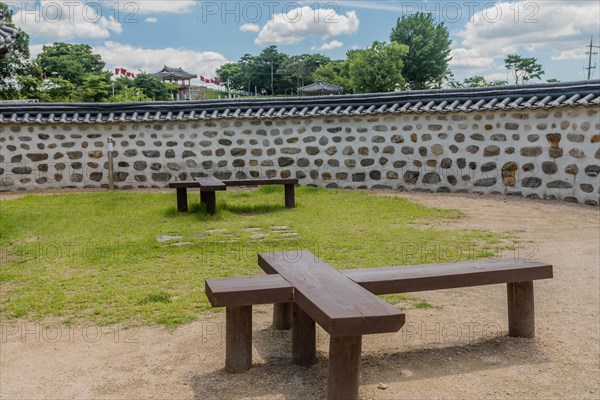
(95,257)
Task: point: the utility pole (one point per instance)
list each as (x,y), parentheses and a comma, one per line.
(272,94)
(591,53)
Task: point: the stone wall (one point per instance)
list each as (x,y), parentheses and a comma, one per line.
(551,154)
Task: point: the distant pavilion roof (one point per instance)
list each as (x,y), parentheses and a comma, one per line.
(320,87)
(169,73)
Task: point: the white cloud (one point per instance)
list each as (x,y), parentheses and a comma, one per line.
(152,60)
(56,20)
(470,59)
(499,76)
(334,44)
(576,54)
(504,28)
(151,20)
(302,22)
(249,28)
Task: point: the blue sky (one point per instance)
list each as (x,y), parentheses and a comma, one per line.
(202,35)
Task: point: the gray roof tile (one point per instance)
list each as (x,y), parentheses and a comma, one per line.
(540,96)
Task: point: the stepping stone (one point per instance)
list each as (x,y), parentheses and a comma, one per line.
(259,236)
(216,230)
(200,235)
(287,234)
(165,238)
(180,244)
(279,228)
(251,229)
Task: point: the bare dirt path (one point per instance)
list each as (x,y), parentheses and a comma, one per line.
(457,350)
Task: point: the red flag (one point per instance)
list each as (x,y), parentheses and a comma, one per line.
(129,74)
(116,71)
(201,78)
(123,71)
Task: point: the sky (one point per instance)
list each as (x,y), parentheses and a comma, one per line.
(200,36)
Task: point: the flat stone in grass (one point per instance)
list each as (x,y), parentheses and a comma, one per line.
(166,238)
(290,234)
(259,236)
(280,228)
(211,231)
(251,229)
(200,235)
(180,244)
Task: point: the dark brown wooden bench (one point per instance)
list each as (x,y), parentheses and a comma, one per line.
(306,290)
(209,186)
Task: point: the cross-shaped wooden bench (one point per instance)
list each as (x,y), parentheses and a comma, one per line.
(345,305)
(209,186)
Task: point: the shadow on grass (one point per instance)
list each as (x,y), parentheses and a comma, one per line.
(311,383)
(251,209)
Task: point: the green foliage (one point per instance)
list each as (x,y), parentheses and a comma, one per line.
(95,87)
(336,73)
(378,68)
(17,64)
(56,89)
(288,73)
(302,68)
(523,69)
(70,61)
(475,82)
(152,88)
(426,63)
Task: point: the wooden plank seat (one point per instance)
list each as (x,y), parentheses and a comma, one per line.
(208,187)
(314,292)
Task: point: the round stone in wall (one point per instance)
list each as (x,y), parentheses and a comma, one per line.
(549,167)
(531,182)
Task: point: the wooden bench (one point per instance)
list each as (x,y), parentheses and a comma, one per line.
(308,290)
(209,186)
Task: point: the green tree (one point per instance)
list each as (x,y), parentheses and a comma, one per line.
(56,90)
(70,61)
(95,87)
(523,69)
(152,88)
(426,63)
(378,68)
(17,64)
(267,73)
(475,82)
(336,73)
(301,68)
(233,75)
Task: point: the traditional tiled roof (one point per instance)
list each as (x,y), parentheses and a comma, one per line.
(321,87)
(509,98)
(173,73)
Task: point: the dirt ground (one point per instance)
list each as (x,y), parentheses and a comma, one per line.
(458,350)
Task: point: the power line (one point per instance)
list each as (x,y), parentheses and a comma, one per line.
(591,52)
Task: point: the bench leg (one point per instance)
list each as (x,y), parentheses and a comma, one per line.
(202,197)
(344,367)
(182,204)
(282,316)
(290,196)
(304,338)
(238,339)
(210,199)
(521,315)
